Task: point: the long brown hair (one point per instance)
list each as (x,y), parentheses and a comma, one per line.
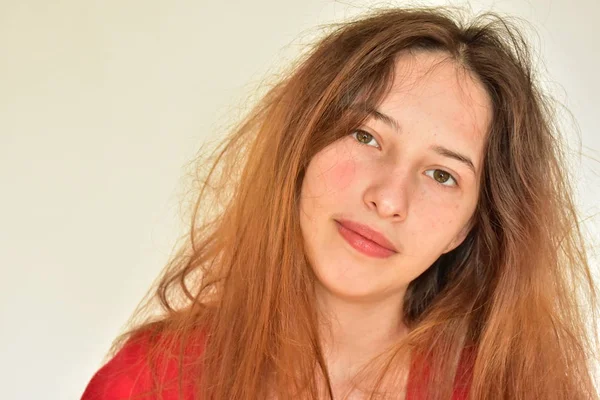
(514,293)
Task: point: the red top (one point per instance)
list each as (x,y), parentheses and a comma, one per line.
(128,374)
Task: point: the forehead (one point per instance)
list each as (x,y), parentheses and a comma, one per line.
(436,98)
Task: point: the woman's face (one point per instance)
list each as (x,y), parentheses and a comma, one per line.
(405,174)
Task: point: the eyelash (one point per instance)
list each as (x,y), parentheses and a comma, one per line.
(353,134)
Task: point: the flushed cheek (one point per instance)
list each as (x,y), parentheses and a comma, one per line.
(334,174)
(341,175)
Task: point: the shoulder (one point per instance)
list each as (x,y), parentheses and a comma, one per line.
(125,375)
(464,374)
(145,365)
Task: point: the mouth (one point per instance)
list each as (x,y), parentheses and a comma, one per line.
(365,239)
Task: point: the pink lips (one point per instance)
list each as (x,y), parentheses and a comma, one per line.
(365,239)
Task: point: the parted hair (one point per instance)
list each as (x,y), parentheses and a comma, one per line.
(516,294)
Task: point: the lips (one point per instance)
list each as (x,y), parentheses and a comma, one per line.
(366,239)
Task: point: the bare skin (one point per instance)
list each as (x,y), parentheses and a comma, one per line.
(394,181)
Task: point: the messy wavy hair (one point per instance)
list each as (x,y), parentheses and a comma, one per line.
(516,294)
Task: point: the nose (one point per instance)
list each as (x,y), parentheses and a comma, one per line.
(389,195)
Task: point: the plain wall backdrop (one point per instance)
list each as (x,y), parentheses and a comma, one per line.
(102,103)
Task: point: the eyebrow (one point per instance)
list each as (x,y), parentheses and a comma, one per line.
(386,119)
(441,150)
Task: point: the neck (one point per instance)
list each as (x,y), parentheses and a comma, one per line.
(355,332)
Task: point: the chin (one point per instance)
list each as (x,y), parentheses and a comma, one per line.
(343,272)
(349,280)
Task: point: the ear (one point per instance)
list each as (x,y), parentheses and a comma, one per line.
(459,238)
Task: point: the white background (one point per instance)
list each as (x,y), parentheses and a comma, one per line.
(101,105)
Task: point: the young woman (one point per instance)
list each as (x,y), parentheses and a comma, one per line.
(392,221)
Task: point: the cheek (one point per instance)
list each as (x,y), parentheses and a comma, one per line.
(340,175)
(437,218)
(331,172)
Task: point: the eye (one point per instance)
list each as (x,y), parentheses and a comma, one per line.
(442,177)
(364,137)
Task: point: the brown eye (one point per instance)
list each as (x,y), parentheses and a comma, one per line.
(364,137)
(442,177)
